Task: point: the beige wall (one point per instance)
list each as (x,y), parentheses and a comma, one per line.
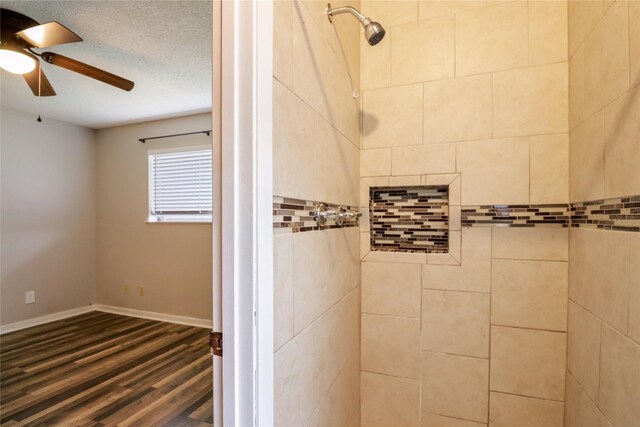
(603,363)
(480,89)
(48,216)
(171,261)
(316,157)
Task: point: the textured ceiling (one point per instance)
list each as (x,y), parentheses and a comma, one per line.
(163,46)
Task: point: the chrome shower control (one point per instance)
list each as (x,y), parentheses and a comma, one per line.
(340,215)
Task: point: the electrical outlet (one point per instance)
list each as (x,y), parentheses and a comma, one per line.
(30,297)
(141,291)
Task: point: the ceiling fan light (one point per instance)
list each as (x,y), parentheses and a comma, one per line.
(16,62)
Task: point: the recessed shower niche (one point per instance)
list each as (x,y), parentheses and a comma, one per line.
(409,218)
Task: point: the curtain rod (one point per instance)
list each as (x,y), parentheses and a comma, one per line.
(143,140)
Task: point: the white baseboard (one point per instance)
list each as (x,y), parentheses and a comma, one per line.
(152,315)
(12,327)
(171,318)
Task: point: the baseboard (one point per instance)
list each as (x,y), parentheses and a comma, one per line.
(12,327)
(152,315)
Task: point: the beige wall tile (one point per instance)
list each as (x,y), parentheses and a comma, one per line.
(391,289)
(529,294)
(474,273)
(392,117)
(622,146)
(375,64)
(457,109)
(391,345)
(404,180)
(432,420)
(634,43)
(544,244)
(283,289)
(376,162)
(365,186)
(634,288)
(583,17)
(391,13)
(580,410)
(528,362)
(548,32)
(430,59)
(293,146)
(583,349)
(619,378)
(492,38)
(455,386)
(599,274)
(344,109)
(549,169)
(433,8)
(606,51)
(507,410)
(577,108)
(455,322)
(389,401)
(519,108)
(494,171)
(283,42)
(586,160)
(293,381)
(424,159)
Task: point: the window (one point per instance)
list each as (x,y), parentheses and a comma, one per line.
(180,186)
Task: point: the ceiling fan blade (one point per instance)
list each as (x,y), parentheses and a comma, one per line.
(32,80)
(48,34)
(88,70)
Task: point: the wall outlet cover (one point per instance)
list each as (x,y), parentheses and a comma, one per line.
(30,297)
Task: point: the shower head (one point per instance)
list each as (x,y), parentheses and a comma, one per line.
(373,31)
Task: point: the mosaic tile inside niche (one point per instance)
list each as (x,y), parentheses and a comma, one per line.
(294,216)
(621,214)
(409,219)
(516,215)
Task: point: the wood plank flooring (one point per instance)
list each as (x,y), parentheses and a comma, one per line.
(102,369)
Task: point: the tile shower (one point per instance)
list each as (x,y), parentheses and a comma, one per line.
(528,113)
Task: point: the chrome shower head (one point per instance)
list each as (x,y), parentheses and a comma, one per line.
(373,31)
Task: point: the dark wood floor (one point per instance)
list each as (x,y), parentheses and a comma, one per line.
(102,369)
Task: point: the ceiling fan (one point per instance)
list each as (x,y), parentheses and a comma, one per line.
(21,34)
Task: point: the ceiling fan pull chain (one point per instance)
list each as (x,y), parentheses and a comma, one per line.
(39,93)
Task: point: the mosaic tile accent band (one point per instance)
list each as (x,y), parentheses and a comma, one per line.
(409,219)
(622,214)
(294,216)
(516,215)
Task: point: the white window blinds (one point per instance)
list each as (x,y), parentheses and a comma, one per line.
(180,186)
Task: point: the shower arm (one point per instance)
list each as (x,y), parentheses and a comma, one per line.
(344,9)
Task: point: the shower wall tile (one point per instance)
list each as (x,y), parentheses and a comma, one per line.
(391,13)
(634,43)
(518,108)
(549,169)
(435,8)
(432,420)
(432,58)
(389,401)
(405,180)
(283,42)
(548,34)
(583,349)
(529,294)
(577,109)
(283,289)
(622,145)
(583,17)
(586,167)
(528,362)
(492,38)
(543,244)
(458,109)
(375,64)
(619,378)
(392,117)
(424,159)
(391,289)
(473,275)
(455,386)
(455,323)
(634,288)
(507,410)
(293,140)
(599,274)
(580,410)
(344,109)
(375,162)
(487,182)
(391,345)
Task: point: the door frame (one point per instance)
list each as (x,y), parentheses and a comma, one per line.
(246,198)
